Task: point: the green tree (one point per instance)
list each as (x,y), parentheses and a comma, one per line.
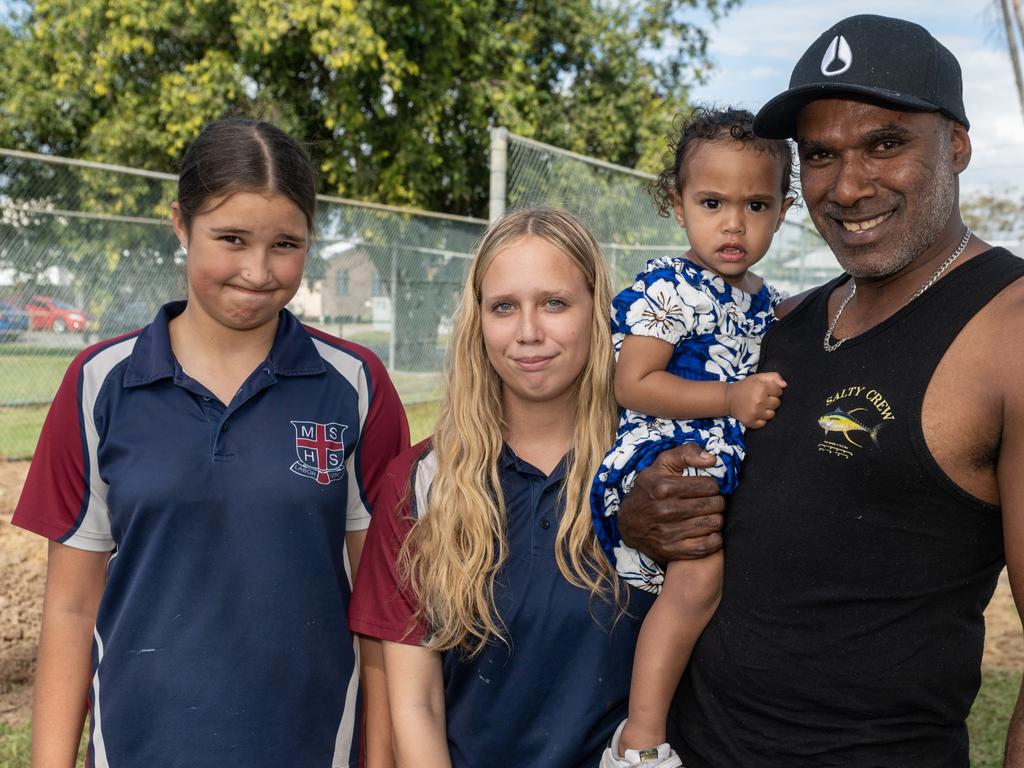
(395,99)
(84,222)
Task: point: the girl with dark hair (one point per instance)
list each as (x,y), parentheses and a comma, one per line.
(687,335)
(206,483)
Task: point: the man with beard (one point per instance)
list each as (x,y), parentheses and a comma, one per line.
(876,511)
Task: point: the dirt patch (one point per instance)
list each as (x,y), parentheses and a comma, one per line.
(22,581)
(23,577)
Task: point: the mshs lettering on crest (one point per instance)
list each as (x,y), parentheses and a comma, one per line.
(320,449)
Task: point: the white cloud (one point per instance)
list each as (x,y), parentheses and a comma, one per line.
(755,47)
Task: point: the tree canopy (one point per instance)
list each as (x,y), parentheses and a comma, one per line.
(394,99)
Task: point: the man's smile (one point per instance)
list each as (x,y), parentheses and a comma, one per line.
(862,226)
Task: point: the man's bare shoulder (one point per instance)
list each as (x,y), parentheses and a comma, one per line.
(788,305)
(992,343)
(1004,316)
(972,391)
(1006,304)
(1012,294)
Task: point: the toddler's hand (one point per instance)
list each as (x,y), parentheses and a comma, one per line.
(754,400)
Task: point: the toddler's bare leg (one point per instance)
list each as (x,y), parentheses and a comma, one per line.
(688,598)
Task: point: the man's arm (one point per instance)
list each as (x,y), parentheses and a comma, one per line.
(668,516)
(1011,496)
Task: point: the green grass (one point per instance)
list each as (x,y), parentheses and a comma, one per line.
(369,337)
(15,746)
(27,375)
(37,378)
(421,420)
(19,430)
(987,725)
(16,742)
(416,387)
(72,346)
(990,716)
(32,375)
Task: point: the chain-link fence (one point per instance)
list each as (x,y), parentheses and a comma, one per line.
(87,252)
(613,201)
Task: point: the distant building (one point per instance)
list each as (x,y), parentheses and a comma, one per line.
(350,290)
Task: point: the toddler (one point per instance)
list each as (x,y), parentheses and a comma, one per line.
(687,336)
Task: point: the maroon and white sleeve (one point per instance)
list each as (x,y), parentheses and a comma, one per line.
(64,497)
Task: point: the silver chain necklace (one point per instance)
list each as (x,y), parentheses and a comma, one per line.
(829,347)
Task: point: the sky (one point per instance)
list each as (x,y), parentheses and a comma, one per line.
(755,46)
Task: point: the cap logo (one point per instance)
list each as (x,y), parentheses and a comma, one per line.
(837,58)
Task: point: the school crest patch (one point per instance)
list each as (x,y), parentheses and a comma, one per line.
(320,449)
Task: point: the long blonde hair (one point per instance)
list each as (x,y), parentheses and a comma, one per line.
(458,544)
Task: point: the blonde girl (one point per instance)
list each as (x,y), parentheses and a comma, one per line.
(505,638)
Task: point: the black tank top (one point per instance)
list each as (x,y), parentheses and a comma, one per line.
(850,631)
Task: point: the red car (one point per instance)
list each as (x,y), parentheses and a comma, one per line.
(48,314)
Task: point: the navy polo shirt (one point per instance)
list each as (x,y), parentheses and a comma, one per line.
(221,639)
(555,694)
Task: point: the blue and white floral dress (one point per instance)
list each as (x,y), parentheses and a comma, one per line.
(716,330)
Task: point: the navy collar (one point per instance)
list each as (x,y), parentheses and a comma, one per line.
(293,352)
(509,461)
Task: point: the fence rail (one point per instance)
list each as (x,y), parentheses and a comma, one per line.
(86,252)
(614,202)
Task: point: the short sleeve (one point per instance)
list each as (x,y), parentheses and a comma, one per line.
(385,434)
(63,497)
(661,304)
(381,605)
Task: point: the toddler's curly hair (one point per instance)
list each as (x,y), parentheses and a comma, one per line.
(713,124)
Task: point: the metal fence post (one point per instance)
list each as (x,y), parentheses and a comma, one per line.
(499,172)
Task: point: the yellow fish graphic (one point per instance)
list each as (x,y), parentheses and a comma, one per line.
(842,421)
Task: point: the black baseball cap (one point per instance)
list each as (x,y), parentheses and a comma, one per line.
(879,59)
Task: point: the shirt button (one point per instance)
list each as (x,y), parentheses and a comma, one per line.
(224,428)
(206,399)
(545,524)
